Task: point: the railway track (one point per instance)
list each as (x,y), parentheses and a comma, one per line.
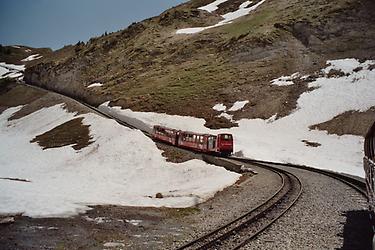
(240,231)
(358,185)
(96,110)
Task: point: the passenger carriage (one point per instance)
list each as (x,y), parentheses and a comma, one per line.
(165,134)
(207,143)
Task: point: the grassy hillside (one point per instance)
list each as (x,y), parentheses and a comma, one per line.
(15,54)
(148,67)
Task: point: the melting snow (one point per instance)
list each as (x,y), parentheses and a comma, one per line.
(286,80)
(114,244)
(212,6)
(238,105)
(11,70)
(134,222)
(227,116)
(122,167)
(281,140)
(97,84)
(243,10)
(32,57)
(219,107)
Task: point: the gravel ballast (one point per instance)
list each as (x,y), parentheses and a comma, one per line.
(328,215)
(230,204)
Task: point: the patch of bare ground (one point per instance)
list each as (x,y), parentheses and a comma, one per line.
(72,133)
(311,143)
(176,155)
(12,94)
(215,122)
(230,6)
(351,122)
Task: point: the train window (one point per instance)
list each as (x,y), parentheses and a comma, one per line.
(226,137)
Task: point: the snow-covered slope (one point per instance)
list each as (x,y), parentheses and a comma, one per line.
(243,10)
(284,140)
(11,70)
(122,167)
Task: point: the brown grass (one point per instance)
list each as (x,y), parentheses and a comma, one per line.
(72,133)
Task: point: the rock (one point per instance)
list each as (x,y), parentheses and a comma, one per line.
(159,196)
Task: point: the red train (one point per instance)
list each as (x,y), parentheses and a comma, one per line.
(220,144)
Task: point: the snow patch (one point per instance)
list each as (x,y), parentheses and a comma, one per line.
(346,65)
(97,220)
(11,70)
(31,58)
(122,167)
(286,80)
(219,107)
(97,84)
(212,6)
(114,244)
(134,222)
(238,105)
(226,116)
(243,10)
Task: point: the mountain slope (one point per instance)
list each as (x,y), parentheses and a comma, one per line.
(148,67)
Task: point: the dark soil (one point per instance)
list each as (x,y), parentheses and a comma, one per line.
(12,95)
(72,133)
(92,230)
(176,155)
(350,122)
(311,144)
(215,122)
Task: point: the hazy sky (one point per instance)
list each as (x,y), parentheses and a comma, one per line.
(55,23)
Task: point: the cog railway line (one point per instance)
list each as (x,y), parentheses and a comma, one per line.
(238,232)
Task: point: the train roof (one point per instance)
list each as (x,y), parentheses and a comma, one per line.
(190,132)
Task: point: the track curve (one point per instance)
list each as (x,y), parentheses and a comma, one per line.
(240,231)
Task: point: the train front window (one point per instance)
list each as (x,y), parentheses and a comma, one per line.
(226,137)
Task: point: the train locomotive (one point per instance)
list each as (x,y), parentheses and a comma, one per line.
(213,144)
(369,166)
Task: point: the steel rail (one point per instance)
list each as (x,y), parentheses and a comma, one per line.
(228,231)
(358,185)
(289,206)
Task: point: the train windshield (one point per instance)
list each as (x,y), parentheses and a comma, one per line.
(226,137)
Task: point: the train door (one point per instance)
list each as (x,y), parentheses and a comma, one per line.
(211,143)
